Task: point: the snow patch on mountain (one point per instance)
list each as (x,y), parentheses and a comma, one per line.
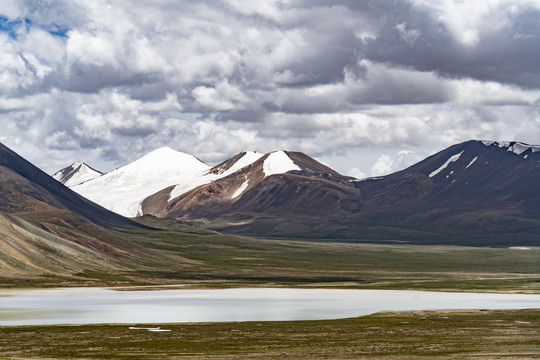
(278,163)
(241,189)
(248,158)
(201,179)
(452,159)
(472,162)
(517,148)
(75,174)
(123,190)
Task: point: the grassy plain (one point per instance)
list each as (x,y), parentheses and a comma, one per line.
(407,335)
(203,258)
(217,260)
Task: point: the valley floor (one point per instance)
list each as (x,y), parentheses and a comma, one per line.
(200,258)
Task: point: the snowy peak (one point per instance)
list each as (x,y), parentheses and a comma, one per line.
(276,181)
(169,160)
(76,174)
(278,162)
(253,167)
(123,190)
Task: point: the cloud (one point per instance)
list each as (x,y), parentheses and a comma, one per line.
(410,36)
(383,166)
(356,173)
(115,80)
(487,41)
(387,164)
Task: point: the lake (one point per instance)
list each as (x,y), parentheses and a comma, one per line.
(102,305)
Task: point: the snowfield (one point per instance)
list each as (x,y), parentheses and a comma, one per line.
(123,190)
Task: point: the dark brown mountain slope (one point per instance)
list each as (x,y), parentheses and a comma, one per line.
(18,177)
(313,188)
(474,193)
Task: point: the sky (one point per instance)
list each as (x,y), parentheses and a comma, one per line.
(366,87)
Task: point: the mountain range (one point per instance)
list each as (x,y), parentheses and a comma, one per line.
(474,193)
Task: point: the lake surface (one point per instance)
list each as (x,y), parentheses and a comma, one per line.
(101,305)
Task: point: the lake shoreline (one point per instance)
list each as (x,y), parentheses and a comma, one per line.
(108,306)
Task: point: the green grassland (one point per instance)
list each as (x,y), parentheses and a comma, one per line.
(408,335)
(202,258)
(219,260)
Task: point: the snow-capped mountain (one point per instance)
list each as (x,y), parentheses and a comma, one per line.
(278,181)
(76,174)
(122,190)
(224,169)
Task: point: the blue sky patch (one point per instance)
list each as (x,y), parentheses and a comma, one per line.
(57,30)
(10,26)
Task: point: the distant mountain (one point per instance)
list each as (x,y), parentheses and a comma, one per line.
(124,189)
(46,228)
(473,193)
(76,174)
(277,182)
(477,189)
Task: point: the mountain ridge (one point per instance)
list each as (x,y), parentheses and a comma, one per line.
(477,189)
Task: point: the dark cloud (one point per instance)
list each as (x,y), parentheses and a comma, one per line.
(83,78)
(508,53)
